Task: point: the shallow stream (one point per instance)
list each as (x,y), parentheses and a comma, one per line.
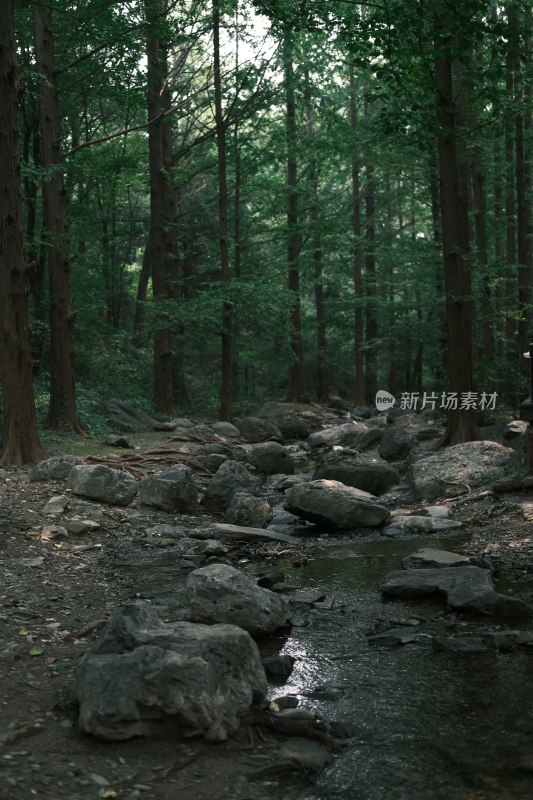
(422,725)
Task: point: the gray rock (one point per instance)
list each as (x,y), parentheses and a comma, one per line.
(466,589)
(79,526)
(393,637)
(230,478)
(415,524)
(173,490)
(334,505)
(428,558)
(56,505)
(309,755)
(461,644)
(271,458)
(56,468)
(182,422)
(248,511)
(212,547)
(355,469)
(115,486)
(437,512)
(396,444)
(255,429)
(143,678)
(278,668)
(347,435)
(517,427)
(117,441)
(220,593)
(472,464)
(226,429)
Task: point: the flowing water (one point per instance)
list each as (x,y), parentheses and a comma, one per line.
(422,725)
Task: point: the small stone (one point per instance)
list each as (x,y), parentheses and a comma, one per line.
(278,668)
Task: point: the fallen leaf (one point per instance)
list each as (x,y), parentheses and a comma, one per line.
(36,651)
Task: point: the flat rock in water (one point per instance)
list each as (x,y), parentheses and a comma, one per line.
(334,505)
(220,593)
(309,755)
(466,589)
(428,558)
(221,530)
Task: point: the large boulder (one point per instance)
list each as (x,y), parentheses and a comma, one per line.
(351,434)
(294,420)
(230,478)
(115,486)
(255,429)
(271,458)
(220,593)
(143,678)
(248,511)
(466,589)
(56,468)
(472,464)
(355,469)
(173,490)
(334,505)
(395,444)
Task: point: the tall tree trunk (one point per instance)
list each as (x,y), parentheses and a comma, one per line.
(510,207)
(20,442)
(296,368)
(227,308)
(461,423)
(523,186)
(357,270)
(62,412)
(157,74)
(316,238)
(371,294)
(478,186)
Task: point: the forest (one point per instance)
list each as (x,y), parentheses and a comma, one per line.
(208,204)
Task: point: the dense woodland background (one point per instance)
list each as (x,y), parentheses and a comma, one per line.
(225,201)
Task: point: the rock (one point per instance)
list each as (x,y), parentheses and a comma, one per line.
(271,458)
(309,755)
(286,701)
(230,478)
(224,530)
(306,598)
(334,505)
(514,429)
(226,429)
(460,644)
(269,581)
(56,505)
(287,481)
(126,417)
(437,512)
(143,677)
(255,429)
(182,422)
(401,523)
(294,420)
(115,486)
(428,558)
(117,441)
(472,464)
(396,444)
(400,636)
(220,593)
(212,547)
(278,668)
(56,468)
(173,490)
(466,589)
(80,526)
(350,434)
(355,469)
(249,511)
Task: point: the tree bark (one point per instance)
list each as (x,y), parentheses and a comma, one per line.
(316,238)
(461,423)
(226,382)
(157,73)
(20,443)
(62,412)
(296,368)
(371,294)
(357,270)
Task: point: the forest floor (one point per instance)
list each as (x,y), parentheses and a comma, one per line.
(55,587)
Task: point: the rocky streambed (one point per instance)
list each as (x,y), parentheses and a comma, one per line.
(420,696)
